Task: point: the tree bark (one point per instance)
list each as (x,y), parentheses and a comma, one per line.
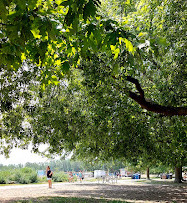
(178,174)
(148,176)
(150,106)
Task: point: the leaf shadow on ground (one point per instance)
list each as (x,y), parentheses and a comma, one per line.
(148,192)
(66,200)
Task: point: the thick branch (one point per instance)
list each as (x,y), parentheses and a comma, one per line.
(138,86)
(150,106)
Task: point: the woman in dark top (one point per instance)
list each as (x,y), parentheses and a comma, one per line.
(49,176)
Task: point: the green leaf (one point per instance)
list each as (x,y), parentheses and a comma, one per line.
(89,9)
(36,34)
(128,44)
(66,66)
(54,80)
(128,2)
(116,53)
(162,41)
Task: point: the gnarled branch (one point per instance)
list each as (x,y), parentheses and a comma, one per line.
(150,106)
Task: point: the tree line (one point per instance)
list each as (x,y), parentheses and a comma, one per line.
(76,166)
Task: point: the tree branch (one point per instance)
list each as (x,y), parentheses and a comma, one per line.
(138,86)
(150,106)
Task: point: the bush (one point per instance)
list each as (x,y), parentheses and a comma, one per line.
(26,176)
(60,177)
(42,179)
(26,170)
(17,176)
(3,179)
(24,180)
(5,176)
(33,177)
(23,176)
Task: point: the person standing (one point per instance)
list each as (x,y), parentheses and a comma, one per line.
(70,177)
(49,174)
(81,176)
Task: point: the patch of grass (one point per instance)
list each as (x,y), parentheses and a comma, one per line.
(2,185)
(67,200)
(14,184)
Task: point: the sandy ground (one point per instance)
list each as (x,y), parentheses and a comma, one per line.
(128,190)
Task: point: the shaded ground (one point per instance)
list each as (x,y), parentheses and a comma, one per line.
(127,190)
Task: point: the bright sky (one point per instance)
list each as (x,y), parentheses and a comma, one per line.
(19,156)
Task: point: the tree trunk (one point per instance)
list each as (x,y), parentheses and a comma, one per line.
(148,177)
(178,175)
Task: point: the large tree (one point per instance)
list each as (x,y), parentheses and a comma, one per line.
(136,59)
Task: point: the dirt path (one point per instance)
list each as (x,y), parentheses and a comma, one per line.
(129,190)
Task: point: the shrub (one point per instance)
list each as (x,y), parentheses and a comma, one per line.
(5,176)
(41,179)
(25,176)
(33,177)
(2,179)
(24,180)
(26,170)
(17,176)
(60,177)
